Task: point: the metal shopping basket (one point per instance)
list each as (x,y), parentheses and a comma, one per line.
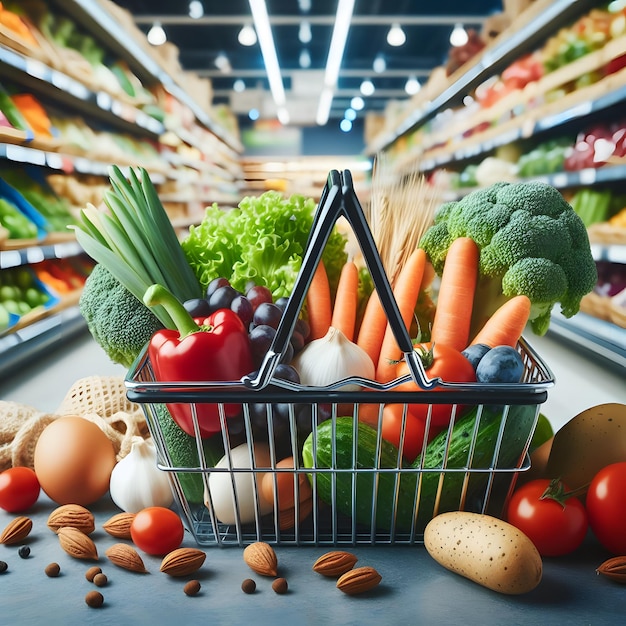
(355,488)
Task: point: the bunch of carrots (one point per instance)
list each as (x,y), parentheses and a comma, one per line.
(451,323)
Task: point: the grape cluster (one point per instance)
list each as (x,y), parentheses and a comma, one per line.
(261,316)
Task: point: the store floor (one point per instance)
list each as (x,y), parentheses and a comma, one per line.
(581,382)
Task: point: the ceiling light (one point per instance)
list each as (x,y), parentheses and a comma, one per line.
(268,50)
(345,125)
(367,88)
(412,86)
(253,114)
(305,5)
(345,9)
(304,32)
(239,85)
(156,35)
(458,37)
(357,103)
(379,65)
(222,63)
(396,36)
(350,114)
(247,35)
(305,59)
(196,10)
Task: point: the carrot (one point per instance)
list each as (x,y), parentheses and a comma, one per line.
(406,291)
(372,327)
(318,303)
(506,325)
(346,299)
(451,324)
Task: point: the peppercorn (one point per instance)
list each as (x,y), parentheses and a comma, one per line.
(91,573)
(248,586)
(192,587)
(280,585)
(24,552)
(52,570)
(3,567)
(94,599)
(100,580)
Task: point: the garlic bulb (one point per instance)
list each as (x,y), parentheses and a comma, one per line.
(137,482)
(331,358)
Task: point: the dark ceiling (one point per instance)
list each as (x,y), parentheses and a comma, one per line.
(427,26)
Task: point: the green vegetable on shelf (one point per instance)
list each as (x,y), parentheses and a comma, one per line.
(17,224)
(531,242)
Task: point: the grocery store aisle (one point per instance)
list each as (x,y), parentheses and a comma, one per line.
(580,381)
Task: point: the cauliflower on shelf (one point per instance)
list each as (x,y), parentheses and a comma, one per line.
(531,242)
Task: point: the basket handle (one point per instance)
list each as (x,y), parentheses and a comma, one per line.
(339,199)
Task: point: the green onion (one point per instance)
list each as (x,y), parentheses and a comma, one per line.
(136,241)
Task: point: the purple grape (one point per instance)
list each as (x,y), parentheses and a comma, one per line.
(242,306)
(197,307)
(259,294)
(222,297)
(267,313)
(261,338)
(215,284)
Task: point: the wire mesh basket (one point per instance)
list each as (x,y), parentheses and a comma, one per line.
(309,466)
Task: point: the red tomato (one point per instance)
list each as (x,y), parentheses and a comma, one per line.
(555,526)
(19,489)
(606,507)
(157,530)
(413,430)
(445,363)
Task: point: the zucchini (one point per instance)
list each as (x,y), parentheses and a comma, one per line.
(394,493)
(182,452)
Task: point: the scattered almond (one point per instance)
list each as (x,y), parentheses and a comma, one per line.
(334,563)
(182,561)
(261,558)
(358,580)
(17,529)
(614,568)
(77,544)
(125,556)
(119,525)
(73,515)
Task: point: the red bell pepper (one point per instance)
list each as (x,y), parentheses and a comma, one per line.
(215,348)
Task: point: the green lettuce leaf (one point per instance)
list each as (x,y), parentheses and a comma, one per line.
(262,240)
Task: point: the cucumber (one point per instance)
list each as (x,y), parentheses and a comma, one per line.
(182,452)
(381,488)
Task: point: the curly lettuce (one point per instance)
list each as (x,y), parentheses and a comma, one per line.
(261,241)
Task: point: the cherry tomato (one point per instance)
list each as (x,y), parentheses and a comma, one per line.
(443,362)
(19,489)
(413,431)
(157,530)
(606,507)
(556,526)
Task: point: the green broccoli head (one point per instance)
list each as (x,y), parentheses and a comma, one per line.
(531,242)
(116,319)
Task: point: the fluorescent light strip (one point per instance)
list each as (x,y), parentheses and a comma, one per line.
(345,9)
(268,50)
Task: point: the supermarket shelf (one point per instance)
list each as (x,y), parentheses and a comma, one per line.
(598,337)
(73,92)
(39,252)
(613,253)
(508,47)
(22,346)
(99,22)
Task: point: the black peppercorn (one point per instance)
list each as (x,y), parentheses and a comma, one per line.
(24,552)
(3,567)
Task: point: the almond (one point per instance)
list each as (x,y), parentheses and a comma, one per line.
(614,568)
(119,525)
(77,544)
(358,580)
(261,558)
(182,561)
(334,563)
(125,556)
(73,515)
(16,530)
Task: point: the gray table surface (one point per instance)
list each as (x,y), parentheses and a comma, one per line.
(414,588)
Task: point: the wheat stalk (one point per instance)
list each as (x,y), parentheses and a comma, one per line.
(401,209)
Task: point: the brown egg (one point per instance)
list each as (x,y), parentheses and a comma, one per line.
(73,460)
(286,493)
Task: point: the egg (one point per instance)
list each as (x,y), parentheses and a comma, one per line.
(221,485)
(73,460)
(286,486)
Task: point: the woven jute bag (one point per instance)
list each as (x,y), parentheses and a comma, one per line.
(100,399)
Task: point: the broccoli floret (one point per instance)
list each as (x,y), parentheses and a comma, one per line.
(117,320)
(531,242)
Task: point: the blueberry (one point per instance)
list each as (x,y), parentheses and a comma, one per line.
(475,353)
(501,364)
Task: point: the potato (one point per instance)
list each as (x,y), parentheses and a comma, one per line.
(485,549)
(587,443)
